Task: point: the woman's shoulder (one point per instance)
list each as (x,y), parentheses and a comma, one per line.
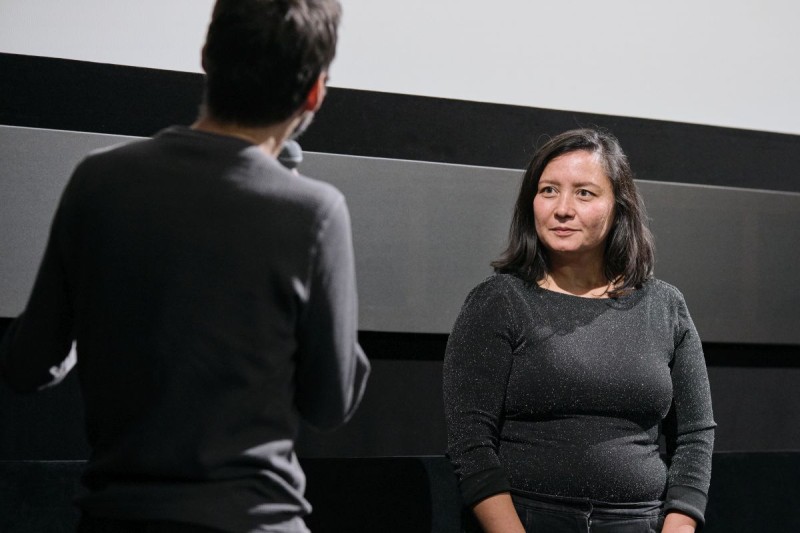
(501,286)
(665,292)
(497,300)
(501,283)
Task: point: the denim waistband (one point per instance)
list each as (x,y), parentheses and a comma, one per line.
(585,506)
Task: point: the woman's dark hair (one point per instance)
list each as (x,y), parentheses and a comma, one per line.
(628,257)
(262,57)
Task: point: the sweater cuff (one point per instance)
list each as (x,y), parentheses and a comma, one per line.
(480,485)
(687,500)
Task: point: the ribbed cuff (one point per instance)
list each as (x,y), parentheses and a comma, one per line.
(480,485)
(687,500)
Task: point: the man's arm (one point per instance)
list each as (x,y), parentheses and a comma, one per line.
(332,369)
(34,351)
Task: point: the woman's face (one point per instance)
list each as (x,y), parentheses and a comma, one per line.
(573,207)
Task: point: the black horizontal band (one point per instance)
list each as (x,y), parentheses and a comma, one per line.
(91,97)
(383,345)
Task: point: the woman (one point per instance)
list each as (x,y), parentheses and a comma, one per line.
(565,368)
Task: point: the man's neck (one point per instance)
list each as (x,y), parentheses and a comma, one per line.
(268,138)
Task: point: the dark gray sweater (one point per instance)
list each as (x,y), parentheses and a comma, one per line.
(212,295)
(557,394)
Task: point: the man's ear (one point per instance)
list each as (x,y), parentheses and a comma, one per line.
(317,94)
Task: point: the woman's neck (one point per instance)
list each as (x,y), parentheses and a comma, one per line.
(588,281)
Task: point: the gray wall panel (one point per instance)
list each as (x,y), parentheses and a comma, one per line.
(425,232)
(735,255)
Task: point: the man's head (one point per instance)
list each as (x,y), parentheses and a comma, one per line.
(263,57)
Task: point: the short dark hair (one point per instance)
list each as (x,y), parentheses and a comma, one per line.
(629,251)
(262,57)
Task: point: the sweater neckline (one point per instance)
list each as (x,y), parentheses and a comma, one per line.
(621,302)
(567,294)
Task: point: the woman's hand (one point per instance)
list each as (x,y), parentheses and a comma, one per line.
(496,514)
(678,523)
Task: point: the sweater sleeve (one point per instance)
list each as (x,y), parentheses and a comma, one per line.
(477,364)
(35,351)
(332,369)
(689,428)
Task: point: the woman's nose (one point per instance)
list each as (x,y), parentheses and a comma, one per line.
(564,207)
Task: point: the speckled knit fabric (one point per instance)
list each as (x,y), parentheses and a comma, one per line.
(557,394)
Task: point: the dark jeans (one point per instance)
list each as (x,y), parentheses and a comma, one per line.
(554,514)
(95,524)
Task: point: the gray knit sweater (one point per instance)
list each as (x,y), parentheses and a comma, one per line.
(557,394)
(212,295)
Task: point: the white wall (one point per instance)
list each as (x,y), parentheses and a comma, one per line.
(719,62)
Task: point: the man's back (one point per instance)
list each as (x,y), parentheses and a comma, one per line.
(211,294)
(204,280)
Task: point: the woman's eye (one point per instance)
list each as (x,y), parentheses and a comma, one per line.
(584,193)
(546,190)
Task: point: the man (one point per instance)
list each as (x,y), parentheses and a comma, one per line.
(210,293)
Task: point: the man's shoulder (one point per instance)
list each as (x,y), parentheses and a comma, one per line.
(217,163)
(118,153)
(316,191)
(119,149)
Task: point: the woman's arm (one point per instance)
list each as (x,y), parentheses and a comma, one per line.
(477,364)
(679,523)
(689,427)
(496,514)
